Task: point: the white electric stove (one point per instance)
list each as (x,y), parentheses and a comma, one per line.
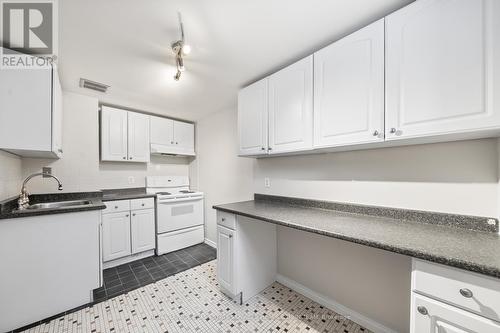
(179,213)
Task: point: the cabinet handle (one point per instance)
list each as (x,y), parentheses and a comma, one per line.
(133,214)
(375,133)
(130,158)
(171,142)
(60,150)
(269,148)
(223,219)
(124,158)
(393,130)
(127,215)
(142,205)
(177,143)
(116,207)
(262,148)
(467,293)
(422,310)
(230,236)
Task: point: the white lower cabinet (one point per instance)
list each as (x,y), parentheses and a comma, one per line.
(225,255)
(438,317)
(450,300)
(116,235)
(142,230)
(126,232)
(246,255)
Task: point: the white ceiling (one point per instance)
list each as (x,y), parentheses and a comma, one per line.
(126,44)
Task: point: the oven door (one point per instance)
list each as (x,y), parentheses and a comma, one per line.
(179,213)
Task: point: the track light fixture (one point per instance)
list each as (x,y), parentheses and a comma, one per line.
(180,49)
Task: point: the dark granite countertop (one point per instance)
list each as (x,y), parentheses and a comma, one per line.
(422,235)
(126,194)
(8,208)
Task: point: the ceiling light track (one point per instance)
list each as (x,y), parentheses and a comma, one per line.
(180,49)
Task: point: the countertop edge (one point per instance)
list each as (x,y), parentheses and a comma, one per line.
(128,197)
(465,265)
(94,206)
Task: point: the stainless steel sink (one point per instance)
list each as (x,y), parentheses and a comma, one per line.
(60,204)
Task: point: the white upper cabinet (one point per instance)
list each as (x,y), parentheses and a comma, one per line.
(184,137)
(138,137)
(124,135)
(349,89)
(252,119)
(442,68)
(291,107)
(114,134)
(31,112)
(171,137)
(162,132)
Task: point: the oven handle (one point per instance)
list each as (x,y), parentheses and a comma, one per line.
(179,200)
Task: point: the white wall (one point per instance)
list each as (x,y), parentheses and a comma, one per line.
(458,177)
(218,171)
(10,175)
(80,169)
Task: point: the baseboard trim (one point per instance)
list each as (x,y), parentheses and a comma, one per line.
(210,243)
(364,321)
(126,260)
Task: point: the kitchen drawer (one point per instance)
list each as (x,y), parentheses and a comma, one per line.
(227,220)
(474,292)
(142,203)
(432,316)
(116,206)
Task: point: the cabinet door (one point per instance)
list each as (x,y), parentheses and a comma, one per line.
(253,118)
(138,137)
(433,316)
(349,89)
(162,131)
(291,107)
(115,235)
(57,114)
(184,137)
(113,134)
(25,109)
(225,258)
(442,60)
(143,230)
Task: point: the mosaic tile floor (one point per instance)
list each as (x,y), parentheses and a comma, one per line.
(190,301)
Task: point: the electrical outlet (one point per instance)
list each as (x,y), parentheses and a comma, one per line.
(131,180)
(267,182)
(46,171)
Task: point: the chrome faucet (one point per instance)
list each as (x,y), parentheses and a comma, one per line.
(23,202)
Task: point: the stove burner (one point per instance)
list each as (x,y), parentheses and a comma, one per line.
(163,193)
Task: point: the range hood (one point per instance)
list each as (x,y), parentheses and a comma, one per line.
(170,150)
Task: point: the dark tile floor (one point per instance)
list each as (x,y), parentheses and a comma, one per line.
(121,279)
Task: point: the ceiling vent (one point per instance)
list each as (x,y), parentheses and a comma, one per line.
(84,83)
